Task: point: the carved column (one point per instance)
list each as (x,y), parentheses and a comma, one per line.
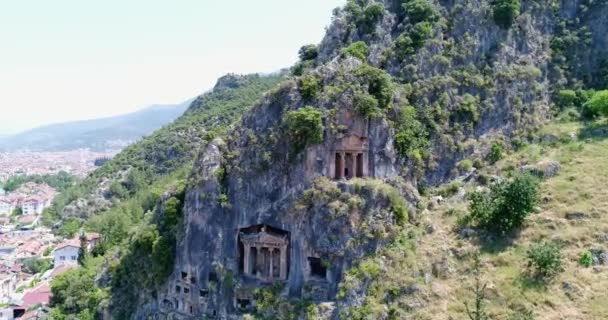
(259,263)
(246,262)
(354,174)
(283,273)
(270,274)
(342,164)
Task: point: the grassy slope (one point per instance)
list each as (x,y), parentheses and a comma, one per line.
(577,188)
(447,258)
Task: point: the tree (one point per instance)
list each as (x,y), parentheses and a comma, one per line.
(305,127)
(357,50)
(495,153)
(365,104)
(479,311)
(411,136)
(309,86)
(507,204)
(566,99)
(545,260)
(420,10)
(308,52)
(598,103)
(82,251)
(505,12)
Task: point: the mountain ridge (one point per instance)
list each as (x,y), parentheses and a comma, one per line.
(105,133)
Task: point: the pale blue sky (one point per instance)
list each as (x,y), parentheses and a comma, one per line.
(72,59)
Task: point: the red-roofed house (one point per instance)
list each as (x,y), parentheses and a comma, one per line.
(39,295)
(93,239)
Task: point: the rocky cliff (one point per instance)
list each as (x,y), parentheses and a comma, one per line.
(326,169)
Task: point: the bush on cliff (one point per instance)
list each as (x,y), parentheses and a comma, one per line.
(505,12)
(305,127)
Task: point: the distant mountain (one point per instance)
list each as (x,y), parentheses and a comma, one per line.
(97,134)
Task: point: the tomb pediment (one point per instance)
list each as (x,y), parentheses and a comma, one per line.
(352,143)
(264,239)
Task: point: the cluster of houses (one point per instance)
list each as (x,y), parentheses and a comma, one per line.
(24,295)
(30,198)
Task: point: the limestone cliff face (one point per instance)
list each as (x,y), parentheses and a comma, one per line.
(259,215)
(327,223)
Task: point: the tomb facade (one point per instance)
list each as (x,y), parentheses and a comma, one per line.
(264,254)
(349,158)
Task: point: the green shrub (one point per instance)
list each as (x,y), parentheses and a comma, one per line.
(357,50)
(118,190)
(420,33)
(545,260)
(467,110)
(380,84)
(371,15)
(420,10)
(505,12)
(598,104)
(305,127)
(36,265)
(309,86)
(496,153)
(308,52)
(585,259)
(566,99)
(363,16)
(404,46)
(465,165)
(366,105)
(507,204)
(410,133)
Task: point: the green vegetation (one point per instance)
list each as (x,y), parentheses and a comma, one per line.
(379,84)
(505,12)
(308,52)
(76,294)
(496,152)
(420,11)
(366,105)
(422,16)
(36,265)
(305,127)
(598,104)
(411,136)
(60,181)
(505,207)
(585,259)
(309,86)
(364,16)
(357,50)
(545,260)
(478,312)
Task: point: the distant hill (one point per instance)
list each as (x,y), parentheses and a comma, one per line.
(97,134)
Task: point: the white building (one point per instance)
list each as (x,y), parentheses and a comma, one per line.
(6,207)
(8,285)
(32,206)
(67,252)
(6,313)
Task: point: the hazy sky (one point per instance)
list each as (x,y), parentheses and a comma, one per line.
(73,59)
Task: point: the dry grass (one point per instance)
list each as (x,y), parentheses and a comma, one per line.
(576,293)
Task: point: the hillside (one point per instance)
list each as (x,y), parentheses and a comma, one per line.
(427,160)
(166,152)
(98,134)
